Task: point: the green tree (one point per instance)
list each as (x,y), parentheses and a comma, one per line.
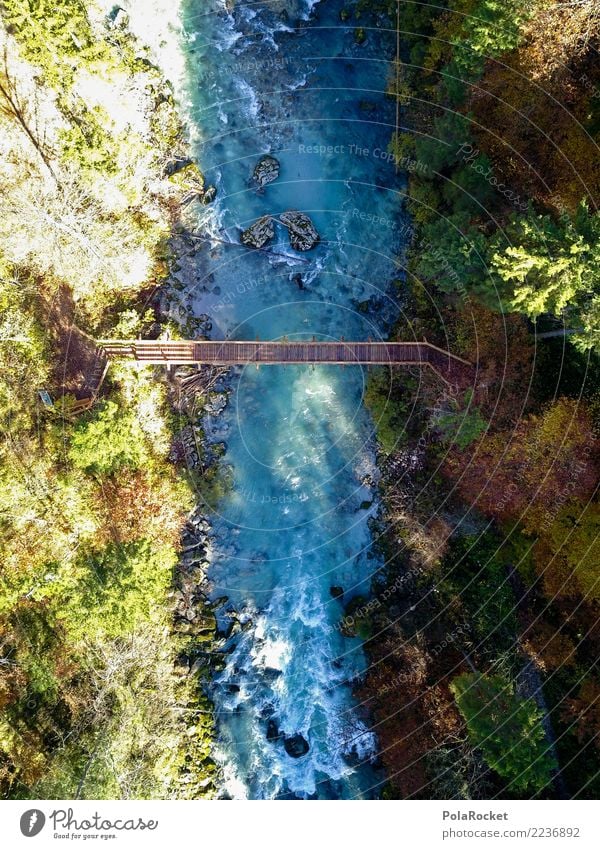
(553,267)
(532,466)
(110,439)
(490,28)
(507,729)
(567,554)
(463,424)
(54,35)
(473,572)
(23,353)
(111,592)
(452,254)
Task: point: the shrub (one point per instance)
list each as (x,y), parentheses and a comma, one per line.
(109,440)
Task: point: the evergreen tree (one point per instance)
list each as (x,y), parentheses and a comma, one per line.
(553,267)
(507,729)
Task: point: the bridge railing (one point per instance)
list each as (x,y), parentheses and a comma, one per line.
(239,352)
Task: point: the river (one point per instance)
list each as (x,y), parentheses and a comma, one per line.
(281,78)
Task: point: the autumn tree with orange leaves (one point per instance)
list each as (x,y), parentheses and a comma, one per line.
(529,473)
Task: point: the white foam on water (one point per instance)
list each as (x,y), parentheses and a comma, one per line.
(309,7)
(248,12)
(223,115)
(251,106)
(286,664)
(316,269)
(274,654)
(299,83)
(229,39)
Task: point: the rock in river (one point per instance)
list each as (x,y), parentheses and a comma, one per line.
(272,731)
(296,746)
(259,233)
(267,170)
(303,234)
(210,193)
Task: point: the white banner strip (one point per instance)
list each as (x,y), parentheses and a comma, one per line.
(249,825)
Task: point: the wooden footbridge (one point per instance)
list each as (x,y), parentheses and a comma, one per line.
(452,369)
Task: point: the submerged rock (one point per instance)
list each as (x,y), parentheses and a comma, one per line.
(303,234)
(272,731)
(297,279)
(271,674)
(296,746)
(266,171)
(187,178)
(259,233)
(199,664)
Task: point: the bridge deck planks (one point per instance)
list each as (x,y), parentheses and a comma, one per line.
(226,352)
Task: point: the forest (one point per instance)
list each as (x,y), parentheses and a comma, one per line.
(496,631)
(92,506)
(482,679)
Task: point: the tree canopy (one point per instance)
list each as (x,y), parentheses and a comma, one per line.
(507,729)
(553,267)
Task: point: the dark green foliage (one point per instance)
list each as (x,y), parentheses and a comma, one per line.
(439,148)
(467,192)
(574,372)
(452,254)
(389,405)
(476,575)
(462,428)
(507,729)
(490,28)
(478,243)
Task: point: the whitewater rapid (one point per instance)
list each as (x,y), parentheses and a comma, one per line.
(291,542)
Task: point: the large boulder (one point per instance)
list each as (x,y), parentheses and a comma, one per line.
(259,233)
(188,180)
(303,234)
(296,746)
(266,170)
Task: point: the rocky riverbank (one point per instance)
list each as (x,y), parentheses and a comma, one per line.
(195,393)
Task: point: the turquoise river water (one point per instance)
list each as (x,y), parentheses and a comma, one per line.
(290,80)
